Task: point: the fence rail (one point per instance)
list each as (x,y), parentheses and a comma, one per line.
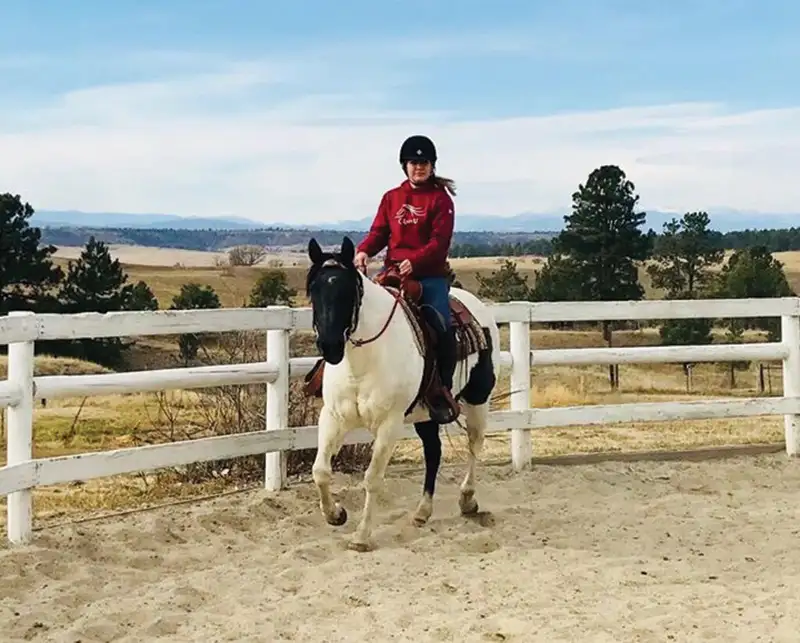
(21,330)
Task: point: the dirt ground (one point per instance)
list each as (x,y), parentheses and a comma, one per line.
(611,552)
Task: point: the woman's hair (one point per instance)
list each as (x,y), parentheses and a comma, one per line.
(439,181)
(444,182)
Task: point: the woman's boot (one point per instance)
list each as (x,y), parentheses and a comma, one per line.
(444,408)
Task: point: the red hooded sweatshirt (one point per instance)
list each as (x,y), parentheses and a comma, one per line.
(416,224)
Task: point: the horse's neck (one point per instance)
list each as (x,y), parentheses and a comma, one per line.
(376,308)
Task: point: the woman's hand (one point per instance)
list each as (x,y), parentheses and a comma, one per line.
(360,261)
(405,267)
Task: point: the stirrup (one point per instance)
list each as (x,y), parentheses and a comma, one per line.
(446,409)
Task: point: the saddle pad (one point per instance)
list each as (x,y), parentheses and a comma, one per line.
(469,335)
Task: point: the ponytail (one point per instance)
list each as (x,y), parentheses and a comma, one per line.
(445,183)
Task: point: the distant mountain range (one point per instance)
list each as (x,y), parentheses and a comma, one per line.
(530,222)
(79,219)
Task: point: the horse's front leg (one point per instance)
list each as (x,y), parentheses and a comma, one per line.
(428,432)
(382,448)
(477,419)
(329,440)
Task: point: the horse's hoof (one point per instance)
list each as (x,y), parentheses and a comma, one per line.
(339,518)
(421,516)
(419,521)
(468,505)
(470,510)
(359,546)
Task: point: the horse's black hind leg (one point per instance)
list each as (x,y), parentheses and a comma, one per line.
(428,432)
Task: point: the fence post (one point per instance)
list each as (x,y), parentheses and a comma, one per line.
(520,347)
(277,412)
(790,336)
(19,428)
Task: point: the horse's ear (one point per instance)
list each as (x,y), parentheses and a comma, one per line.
(348,250)
(314,251)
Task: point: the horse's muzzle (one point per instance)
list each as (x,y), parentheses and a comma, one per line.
(332,352)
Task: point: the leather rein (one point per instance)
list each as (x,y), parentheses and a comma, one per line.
(353,325)
(397,296)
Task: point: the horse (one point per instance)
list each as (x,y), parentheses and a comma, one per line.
(374,378)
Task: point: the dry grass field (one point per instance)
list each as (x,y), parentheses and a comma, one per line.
(74,425)
(165,269)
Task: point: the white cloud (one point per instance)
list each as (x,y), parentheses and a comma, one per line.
(253,140)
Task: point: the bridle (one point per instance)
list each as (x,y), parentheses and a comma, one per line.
(353,325)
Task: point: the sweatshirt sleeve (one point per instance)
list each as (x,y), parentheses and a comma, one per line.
(378,235)
(435,251)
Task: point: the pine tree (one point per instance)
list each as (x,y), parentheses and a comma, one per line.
(141,298)
(271,289)
(505,284)
(97,283)
(752,273)
(685,256)
(603,240)
(193,296)
(558,280)
(603,236)
(28,275)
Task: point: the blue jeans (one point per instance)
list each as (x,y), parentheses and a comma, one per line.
(436,302)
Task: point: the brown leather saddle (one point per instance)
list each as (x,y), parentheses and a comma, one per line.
(469,335)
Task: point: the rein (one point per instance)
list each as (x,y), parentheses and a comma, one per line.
(357,307)
(362,342)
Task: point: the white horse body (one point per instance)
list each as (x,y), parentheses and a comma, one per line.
(380,378)
(374,384)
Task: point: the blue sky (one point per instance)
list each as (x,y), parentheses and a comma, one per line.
(295,111)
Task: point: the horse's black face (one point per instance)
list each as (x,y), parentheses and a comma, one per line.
(333,300)
(333,286)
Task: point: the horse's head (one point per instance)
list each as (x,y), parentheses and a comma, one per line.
(335,289)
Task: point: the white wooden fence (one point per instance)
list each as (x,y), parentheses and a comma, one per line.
(21,330)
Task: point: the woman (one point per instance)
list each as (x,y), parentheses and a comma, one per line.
(414,223)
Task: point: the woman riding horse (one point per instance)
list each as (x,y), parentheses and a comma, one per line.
(414,222)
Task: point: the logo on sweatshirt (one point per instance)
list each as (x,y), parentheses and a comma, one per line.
(409,214)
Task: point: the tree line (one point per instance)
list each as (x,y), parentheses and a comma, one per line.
(94,282)
(774,240)
(216,240)
(465,243)
(597,254)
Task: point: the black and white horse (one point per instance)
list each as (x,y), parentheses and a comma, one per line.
(372,384)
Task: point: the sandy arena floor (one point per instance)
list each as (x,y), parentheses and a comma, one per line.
(614,552)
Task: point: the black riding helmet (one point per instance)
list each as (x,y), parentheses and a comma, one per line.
(417,148)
